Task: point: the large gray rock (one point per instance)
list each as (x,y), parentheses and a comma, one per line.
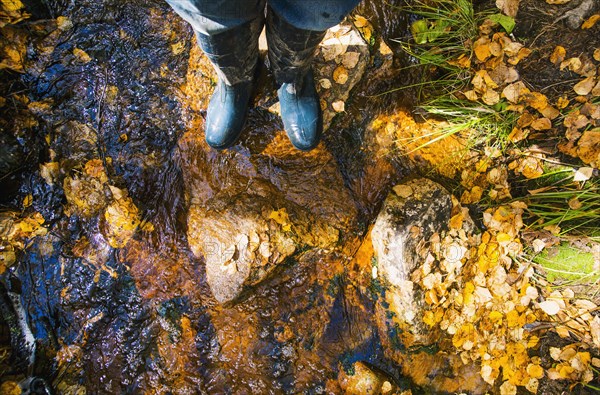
(411,213)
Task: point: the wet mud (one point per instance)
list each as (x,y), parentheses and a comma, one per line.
(121,87)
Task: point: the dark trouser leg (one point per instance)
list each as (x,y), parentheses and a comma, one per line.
(294,30)
(227,31)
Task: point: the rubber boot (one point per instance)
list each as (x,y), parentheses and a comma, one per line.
(291,51)
(234,55)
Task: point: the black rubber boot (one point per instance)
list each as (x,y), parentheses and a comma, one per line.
(291,51)
(234,55)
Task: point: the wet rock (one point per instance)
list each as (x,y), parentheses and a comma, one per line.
(362,380)
(340,64)
(249,213)
(411,213)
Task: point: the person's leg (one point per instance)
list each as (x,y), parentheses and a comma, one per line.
(318,15)
(210,17)
(294,30)
(227,31)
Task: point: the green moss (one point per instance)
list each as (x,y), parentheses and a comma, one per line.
(566,263)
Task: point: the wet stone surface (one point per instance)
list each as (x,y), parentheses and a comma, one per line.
(123,292)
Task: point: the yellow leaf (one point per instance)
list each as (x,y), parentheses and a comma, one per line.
(470,95)
(12,5)
(573,64)
(503,238)
(280,216)
(456,221)
(27,200)
(507,388)
(490,97)
(63,23)
(591,21)
(562,102)
(340,75)
(10,388)
(536,100)
(360,21)
(81,55)
(535,371)
(597,54)
(496,316)
(558,55)
(482,50)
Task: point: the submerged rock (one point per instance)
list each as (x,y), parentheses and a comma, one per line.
(249,213)
(362,380)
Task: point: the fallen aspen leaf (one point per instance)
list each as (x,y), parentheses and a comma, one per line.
(402,190)
(12,5)
(585,86)
(81,55)
(63,23)
(360,21)
(350,59)
(513,92)
(583,174)
(597,54)
(535,100)
(541,124)
(490,97)
(573,64)
(471,95)
(325,83)
(558,55)
(338,106)
(509,7)
(549,307)
(507,388)
(590,22)
(596,90)
(562,102)
(481,48)
(340,75)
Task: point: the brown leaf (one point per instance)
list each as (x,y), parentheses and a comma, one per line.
(470,95)
(513,92)
(541,124)
(585,86)
(596,89)
(573,64)
(490,97)
(549,112)
(509,7)
(350,59)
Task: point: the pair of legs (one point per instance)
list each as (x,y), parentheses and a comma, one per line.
(228,30)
